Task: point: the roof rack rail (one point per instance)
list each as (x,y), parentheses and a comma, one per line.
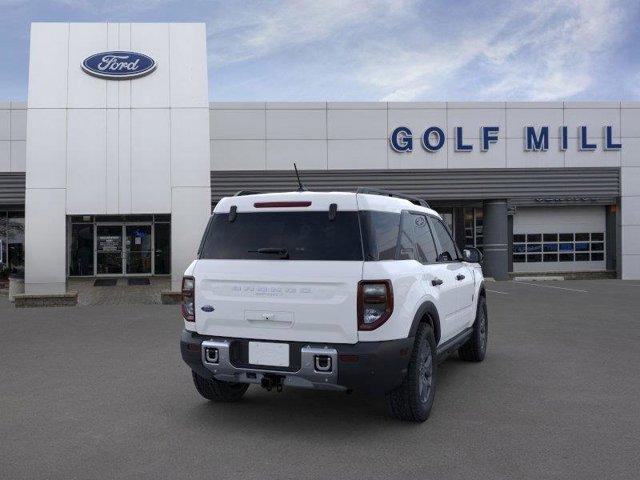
(387,193)
(242,193)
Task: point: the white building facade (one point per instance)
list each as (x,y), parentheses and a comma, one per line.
(121,174)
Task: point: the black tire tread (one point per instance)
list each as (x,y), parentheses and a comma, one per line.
(218,391)
(471,351)
(402,400)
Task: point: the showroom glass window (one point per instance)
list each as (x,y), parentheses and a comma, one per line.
(473,227)
(12,240)
(120,245)
(81,250)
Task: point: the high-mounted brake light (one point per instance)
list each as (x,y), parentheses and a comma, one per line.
(188,305)
(375,303)
(281,204)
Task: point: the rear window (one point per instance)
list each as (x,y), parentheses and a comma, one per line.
(266,235)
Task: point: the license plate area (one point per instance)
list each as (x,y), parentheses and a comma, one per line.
(269,354)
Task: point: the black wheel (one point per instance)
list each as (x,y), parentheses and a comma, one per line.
(218,391)
(412,401)
(476,347)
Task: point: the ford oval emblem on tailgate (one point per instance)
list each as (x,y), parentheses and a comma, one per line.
(207,308)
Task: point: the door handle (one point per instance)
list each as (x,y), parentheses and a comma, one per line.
(436,281)
(460,277)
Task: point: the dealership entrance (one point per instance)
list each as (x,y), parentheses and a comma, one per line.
(134,245)
(123,249)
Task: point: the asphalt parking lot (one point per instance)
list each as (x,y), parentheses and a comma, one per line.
(101,392)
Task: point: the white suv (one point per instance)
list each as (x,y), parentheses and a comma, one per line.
(343,291)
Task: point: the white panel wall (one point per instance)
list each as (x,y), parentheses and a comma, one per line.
(86,161)
(5,156)
(238,155)
(150,160)
(48,65)
(188,53)
(349,124)
(152,91)
(124,160)
(13,135)
(45,240)
(47,148)
(282,154)
(238,124)
(111,158)
(630,218)
(297,124)
(85,91)
(191,208)
(111,147)
(190,147)
(5,137)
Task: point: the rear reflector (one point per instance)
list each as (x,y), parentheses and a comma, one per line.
(347,358)
(281,204)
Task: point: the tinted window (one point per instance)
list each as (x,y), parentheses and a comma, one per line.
(380,234)
(448,250)
(303,235)
(406,241)
(424,240)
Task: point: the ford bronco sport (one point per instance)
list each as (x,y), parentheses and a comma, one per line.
(342,291)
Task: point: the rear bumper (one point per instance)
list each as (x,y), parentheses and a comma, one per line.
(369,367)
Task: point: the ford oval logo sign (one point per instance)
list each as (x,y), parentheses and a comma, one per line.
(118,65)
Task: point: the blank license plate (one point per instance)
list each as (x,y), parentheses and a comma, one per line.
(269,353)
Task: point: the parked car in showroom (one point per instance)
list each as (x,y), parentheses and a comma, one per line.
(337,291)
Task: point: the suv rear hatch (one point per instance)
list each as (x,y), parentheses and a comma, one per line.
(281,267)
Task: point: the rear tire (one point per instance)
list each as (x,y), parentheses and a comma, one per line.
(412,401)
(218,391)
(475,349)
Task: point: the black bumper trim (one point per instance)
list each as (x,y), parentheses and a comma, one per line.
(368,367)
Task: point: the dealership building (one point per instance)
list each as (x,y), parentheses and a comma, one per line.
(113,164)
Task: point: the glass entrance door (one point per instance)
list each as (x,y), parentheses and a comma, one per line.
(139,250)
(109,250)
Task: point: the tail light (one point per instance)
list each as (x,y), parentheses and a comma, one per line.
(189,299)
(375,303)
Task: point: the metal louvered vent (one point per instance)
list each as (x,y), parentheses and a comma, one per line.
(12,188)
(513,184)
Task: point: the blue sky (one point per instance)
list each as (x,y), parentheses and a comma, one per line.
(378,49)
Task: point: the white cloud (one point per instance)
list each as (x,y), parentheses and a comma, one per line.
(241,34)
(546,51)
(406,50)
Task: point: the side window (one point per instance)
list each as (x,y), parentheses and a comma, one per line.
(380,234)
(447,251)
(425,245)
(406,242)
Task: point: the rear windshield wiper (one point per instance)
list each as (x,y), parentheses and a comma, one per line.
(282,252)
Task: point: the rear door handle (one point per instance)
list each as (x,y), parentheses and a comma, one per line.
(460,277)
(436,281)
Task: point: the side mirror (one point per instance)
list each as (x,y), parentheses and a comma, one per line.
(472,255)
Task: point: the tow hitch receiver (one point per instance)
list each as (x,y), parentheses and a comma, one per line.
(270,382)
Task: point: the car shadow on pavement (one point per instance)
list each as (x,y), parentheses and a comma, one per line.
(299,409)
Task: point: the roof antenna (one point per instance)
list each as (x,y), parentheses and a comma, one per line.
(301,187)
